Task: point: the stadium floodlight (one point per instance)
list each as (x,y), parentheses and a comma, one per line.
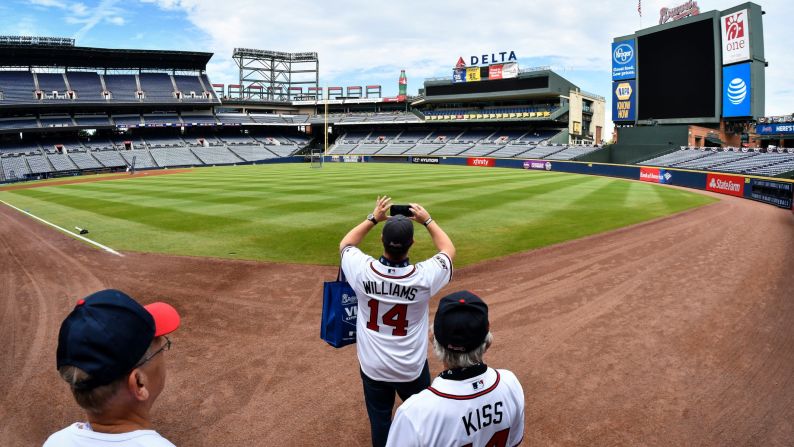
(37,40)
(276,73)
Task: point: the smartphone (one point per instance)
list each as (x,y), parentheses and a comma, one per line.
(402,210)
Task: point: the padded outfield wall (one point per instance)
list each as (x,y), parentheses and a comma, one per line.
(778,192)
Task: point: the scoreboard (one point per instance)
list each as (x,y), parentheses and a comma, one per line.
(699,69)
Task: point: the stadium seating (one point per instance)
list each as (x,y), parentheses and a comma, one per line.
(758,163)
(127,120)
(571,152)
(109,158)
(252,153)
(52,86)
(122,88)
(174,157)
(199,119)
(92,120)
(216,155)
(56,121)
(17,87)
(39,164)
(234,118)
(86,85)
(19,123)
(157,87)
(84,160)
(139,158)
(189,84)
(164,119)
(62,162)
(14,167)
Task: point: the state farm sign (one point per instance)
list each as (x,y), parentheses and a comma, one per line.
(485,162)
(725,184)
(735,37)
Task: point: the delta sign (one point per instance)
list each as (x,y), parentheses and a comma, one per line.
(487,59)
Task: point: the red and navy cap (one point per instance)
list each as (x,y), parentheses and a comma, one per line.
(461,322)
(108,332)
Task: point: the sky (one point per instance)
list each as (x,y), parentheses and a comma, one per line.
(364,42)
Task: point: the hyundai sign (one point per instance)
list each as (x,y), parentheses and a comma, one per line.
(736,90)
(624,60)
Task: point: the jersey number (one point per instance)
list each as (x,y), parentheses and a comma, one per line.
(499,439)
(394,317)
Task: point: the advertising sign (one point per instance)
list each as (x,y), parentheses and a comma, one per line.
(459,75)
(679,12)
(510,70)
(725,184)
(735,37)
(624,60)
(655,175)
(493,58)
(540,165)
(426,160)
(495,71)
(624,107)
(775,129)
(472,74)
(484,162)
(736,90)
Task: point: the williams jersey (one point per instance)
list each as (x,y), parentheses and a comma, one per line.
(393,302)
(485,410)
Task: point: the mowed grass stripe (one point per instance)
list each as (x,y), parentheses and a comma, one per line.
(292,213)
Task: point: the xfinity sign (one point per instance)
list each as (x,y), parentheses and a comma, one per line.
(735,37)
(624,60)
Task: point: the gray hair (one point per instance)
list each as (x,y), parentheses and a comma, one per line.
(456,359)
(94,400)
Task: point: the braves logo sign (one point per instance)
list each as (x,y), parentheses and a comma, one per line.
(689,8)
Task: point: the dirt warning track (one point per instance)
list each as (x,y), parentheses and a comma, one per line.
(673,332)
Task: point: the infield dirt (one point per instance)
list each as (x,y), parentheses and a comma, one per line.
(672,332)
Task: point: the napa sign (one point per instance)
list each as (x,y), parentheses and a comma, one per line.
(493,58)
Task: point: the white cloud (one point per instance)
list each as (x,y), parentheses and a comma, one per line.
(359,38)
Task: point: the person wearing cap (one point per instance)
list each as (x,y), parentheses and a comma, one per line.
(110,352)
(469,403)
(393,305)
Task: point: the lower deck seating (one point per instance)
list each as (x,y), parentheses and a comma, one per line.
(252,153)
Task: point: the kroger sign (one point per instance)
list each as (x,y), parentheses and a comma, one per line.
(624,60)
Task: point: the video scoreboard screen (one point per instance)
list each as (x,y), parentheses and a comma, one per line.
(677,76)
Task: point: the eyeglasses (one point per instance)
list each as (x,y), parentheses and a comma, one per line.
(166,346)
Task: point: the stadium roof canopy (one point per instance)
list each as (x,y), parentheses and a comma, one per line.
(110,58)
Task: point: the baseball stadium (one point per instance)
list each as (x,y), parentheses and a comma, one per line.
(639,281)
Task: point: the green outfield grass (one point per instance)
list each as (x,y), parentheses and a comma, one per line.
(292,213)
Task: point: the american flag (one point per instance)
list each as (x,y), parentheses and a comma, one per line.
(639,7)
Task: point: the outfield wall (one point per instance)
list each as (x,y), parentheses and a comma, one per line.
(778,192)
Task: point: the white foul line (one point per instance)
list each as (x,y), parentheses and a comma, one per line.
(83,238)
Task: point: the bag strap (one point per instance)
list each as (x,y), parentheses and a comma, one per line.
(341,275)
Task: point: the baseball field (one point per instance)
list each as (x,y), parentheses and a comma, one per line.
(631,313)
(292,213)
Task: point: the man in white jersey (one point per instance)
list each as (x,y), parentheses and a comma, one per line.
(469,404)
(110,353)
(393,303)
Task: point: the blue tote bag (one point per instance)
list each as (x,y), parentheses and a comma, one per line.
(340,310)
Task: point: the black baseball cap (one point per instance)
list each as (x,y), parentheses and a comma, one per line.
(461,322)
(398,233)
(108,332)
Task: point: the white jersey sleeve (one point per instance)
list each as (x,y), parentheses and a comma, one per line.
(517,426)
(402,432)
(438,271)
(354,261)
